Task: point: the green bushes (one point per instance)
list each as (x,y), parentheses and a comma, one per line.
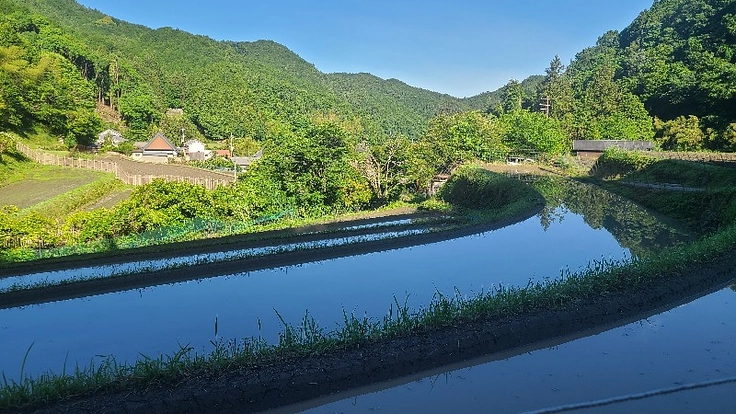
(615,163)
(475,188)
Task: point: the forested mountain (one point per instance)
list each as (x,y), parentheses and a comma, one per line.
(680,58)
(247,89)
(490,100)
(398,107)
(676,62)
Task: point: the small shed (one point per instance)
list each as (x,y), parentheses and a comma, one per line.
(244,162)
(596,147)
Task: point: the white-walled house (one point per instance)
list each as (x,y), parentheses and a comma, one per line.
(194,150)
(115,138)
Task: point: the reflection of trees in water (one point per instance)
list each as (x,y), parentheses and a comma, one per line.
(634,227)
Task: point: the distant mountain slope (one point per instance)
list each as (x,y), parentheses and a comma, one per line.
(487,101)
(240,88)
(397,107)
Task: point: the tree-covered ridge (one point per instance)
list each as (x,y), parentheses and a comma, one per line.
(247,89)
(680,57)
(670,76)
(387,102)
(677,59)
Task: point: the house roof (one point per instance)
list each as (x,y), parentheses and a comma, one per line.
(159,142)
(246,161)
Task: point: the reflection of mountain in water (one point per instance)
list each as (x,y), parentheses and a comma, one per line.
(633,226)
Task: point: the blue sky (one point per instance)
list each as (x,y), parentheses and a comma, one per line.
(461,48)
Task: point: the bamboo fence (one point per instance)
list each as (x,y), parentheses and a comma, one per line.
(45,158)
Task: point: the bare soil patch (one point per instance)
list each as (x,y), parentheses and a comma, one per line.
(110,200)
(38,188)
(145,168)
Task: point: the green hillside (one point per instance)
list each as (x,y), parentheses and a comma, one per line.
(247,89)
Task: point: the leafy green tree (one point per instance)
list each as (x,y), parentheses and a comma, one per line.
(385,165)
(83,126)
(681,134)
(139,110)
(7,143)
(533,134)
(452,140)
(512,98)
(556,88)
(314,170)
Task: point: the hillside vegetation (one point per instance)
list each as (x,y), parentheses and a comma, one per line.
(247,89)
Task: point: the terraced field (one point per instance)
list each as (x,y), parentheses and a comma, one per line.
(44,183)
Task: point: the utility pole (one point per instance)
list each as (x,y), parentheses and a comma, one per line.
(232,156)
(544,106)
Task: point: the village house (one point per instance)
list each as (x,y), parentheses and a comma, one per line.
(194,150)
(112,136)
(158,149)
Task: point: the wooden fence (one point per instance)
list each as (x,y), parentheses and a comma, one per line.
(45,158)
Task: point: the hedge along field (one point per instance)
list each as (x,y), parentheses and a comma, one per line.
(42,184)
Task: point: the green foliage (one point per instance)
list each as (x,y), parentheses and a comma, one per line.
(313,172)
(679,57)
(385,164)
(680,134)
(162,203)
(475,188)
(706,210)
(452,140)
(139,110)
(616,163)
(7,143)
(533,134)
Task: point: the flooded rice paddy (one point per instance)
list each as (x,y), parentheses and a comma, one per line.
(579,225)
(683,360)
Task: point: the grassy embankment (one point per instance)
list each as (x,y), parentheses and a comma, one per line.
(306,338)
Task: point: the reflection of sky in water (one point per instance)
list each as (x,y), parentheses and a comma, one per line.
(690,344)
(158,319)
(98,272)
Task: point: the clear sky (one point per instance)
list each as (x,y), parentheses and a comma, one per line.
(460,47)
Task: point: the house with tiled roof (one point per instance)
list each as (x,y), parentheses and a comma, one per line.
(157,149)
